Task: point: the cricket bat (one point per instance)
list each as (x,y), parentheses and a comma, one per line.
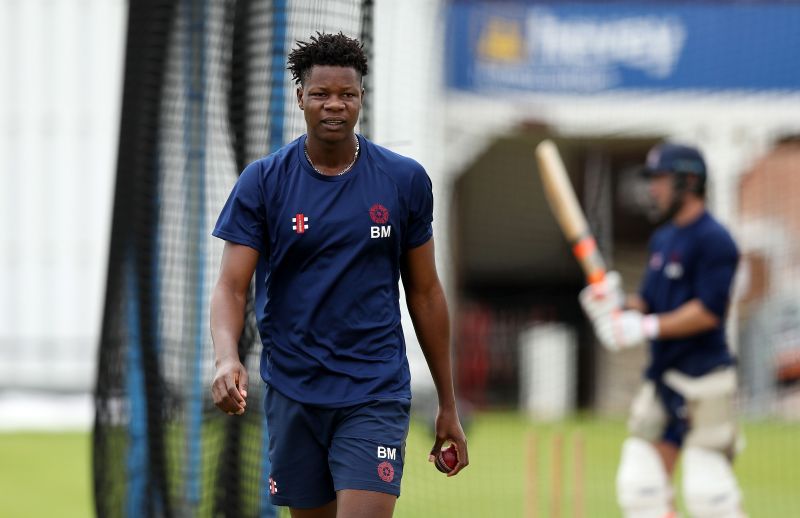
(567,211)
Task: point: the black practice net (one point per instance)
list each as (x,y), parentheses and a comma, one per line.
(206,91)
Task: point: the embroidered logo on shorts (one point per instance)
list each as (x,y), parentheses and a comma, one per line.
(273,486)
(386,471)
(379,214)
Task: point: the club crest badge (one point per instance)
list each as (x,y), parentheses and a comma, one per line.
(379,214)
(386,471)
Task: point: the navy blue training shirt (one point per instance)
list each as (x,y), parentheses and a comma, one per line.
(697,261)
(330,321)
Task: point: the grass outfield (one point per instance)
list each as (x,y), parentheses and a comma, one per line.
(43,474)
(499,479)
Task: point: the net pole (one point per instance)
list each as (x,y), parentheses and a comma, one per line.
(366,37)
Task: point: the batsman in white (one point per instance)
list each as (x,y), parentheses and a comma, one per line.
(686,402)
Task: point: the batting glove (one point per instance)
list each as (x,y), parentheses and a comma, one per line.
(604,297)
(625,329)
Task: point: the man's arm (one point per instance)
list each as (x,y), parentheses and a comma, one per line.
(228,301)
(632,328)
(690,318)
(635,301)
(428,308)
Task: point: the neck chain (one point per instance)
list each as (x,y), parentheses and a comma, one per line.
(350,166)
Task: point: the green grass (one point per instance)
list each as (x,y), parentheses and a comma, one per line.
(509,456)
(43,475)
(504,479)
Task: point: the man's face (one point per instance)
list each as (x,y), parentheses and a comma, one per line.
(662,191)
(331,99)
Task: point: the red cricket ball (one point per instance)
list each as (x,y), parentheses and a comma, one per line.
(447,459)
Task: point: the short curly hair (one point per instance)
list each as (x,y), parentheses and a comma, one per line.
(326,49)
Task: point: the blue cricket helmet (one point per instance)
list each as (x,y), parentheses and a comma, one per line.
(675,158)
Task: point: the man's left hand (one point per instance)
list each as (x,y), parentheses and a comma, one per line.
(625,329)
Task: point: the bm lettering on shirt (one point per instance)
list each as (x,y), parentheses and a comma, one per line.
(376,232)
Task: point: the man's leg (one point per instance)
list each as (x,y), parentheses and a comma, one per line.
(669,453)
(326,511)
(356,503)
(300,477)
(367,455)
(643,486)
(710,489)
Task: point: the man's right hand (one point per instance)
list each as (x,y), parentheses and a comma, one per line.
(604,297)
(229,387)
(448,428)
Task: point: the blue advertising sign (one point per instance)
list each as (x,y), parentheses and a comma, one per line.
(597,47)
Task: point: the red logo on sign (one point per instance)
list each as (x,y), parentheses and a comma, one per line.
(386,471)
(379,214)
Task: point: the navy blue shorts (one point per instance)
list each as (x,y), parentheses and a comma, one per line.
(677,415)
(316,451)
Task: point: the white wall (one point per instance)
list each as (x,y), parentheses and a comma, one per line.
(60,93)
(408,118)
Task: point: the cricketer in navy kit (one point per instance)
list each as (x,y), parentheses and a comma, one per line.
(686,403)
(339,220)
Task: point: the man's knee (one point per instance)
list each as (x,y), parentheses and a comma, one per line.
(357,503)
(710,489)
(643,486)
(647,417)
(326,511)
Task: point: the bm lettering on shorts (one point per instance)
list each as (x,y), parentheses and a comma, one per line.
(384,452)
(385,468)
